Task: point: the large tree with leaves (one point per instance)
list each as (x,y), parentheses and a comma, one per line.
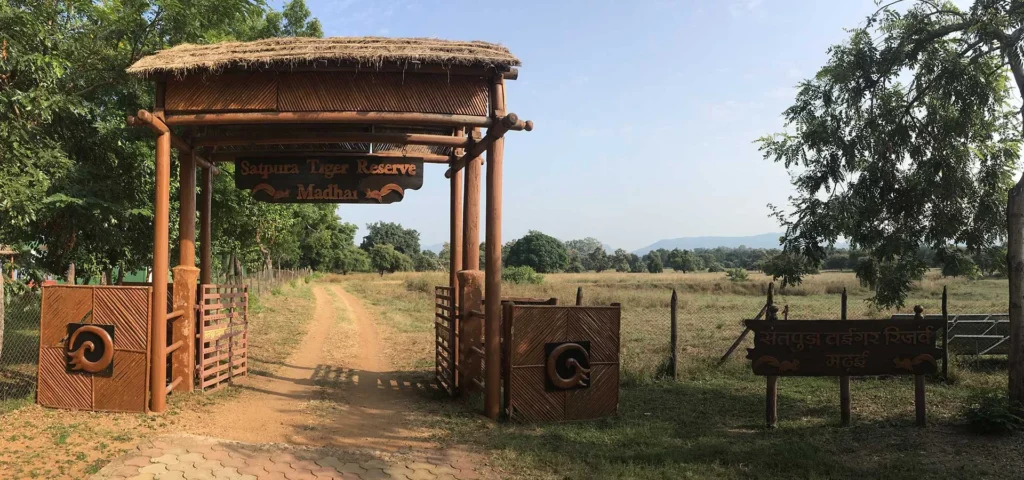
(908,138)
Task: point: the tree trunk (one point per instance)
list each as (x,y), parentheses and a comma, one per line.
(1015,272)
(120,275)
(71,274)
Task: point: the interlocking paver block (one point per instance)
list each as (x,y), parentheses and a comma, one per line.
(154,468)
(350,468)
(226,472)
(375,474)
(442,470)
(398,471)
(300,474)
(329,462)
(168,459)
(283,457)
(468,475)
(422,474)
(142,476)
(305,464)
(170,476)
(191,457)
(192,473)
(375,463)
(251,469)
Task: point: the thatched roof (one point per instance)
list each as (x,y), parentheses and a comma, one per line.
(289,52)
(5,250)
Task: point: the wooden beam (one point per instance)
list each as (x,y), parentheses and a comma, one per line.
(454,265)
(509,73)
(144,118)
(220,157)
(492,281)
(367,118)
(187,210)
(158,313)
(493,134)
(471,214)
(205,226)
(354,137)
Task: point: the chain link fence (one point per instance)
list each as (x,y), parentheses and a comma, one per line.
(19,346)
(709,322)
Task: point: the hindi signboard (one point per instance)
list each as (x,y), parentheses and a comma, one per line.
(328,179)
(845,347)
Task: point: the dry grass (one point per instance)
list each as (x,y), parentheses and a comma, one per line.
(708,424)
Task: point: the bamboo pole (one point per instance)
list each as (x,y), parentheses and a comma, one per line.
(368,118)
(506,123)
(154,123)
(206,223)
(492,281)
(158,312)
(844,380)
(187,210)
(388,155)
(471,215)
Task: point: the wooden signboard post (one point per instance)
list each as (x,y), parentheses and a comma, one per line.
(844,348)
(327,179)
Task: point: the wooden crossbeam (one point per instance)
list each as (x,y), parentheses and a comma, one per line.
(500,128)
(353,137)
(144,118)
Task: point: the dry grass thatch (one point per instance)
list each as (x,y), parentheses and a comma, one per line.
(288,52)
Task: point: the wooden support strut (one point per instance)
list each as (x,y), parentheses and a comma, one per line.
(158,319)
(144,118)
(492,272)
(501,127)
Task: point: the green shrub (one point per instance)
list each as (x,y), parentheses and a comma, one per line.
(993,414)
(736,274)
(292,283)
(420,283)
(521,275)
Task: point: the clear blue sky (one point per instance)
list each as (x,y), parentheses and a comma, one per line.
(646,111)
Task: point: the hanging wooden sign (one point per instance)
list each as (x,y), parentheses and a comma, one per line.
(845,347)
(327,179)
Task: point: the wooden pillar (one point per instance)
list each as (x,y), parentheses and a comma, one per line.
(945,336)
(185,276)
(471,213)
(844,380)
(492,272)
(205,219)
(158,314)
(673,335)
(454,265)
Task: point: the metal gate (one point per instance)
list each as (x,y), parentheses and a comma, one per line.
(222,335)
(445,332)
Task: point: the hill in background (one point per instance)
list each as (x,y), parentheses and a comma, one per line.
(764,240)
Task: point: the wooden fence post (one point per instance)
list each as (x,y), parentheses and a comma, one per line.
(844,381)
(945,336)
(919,407)
(579,296)
(771,413)
(674,337)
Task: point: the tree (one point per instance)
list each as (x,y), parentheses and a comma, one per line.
(598,260)
(906,138)
(684,261)
(426,261)
(636,264)
(654,263)
(386,259)
(583,248)
(911,139)
(956,263)
(543,253)
(352,259)
(790,267)
(405,240)
(620,260)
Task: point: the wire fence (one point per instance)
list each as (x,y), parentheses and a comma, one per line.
(709,324)
(19,346)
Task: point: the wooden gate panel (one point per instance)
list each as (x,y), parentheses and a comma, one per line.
(222,346)
(120,386)
(56,388)
(598,401)
(445,327)
(121,392)
(564,362)
(128,311)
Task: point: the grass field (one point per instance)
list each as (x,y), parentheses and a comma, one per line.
(708,423)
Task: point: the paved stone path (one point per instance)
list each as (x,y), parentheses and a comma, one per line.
(203,458)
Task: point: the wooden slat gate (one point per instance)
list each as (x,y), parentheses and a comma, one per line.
(222,335)
(445,330)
